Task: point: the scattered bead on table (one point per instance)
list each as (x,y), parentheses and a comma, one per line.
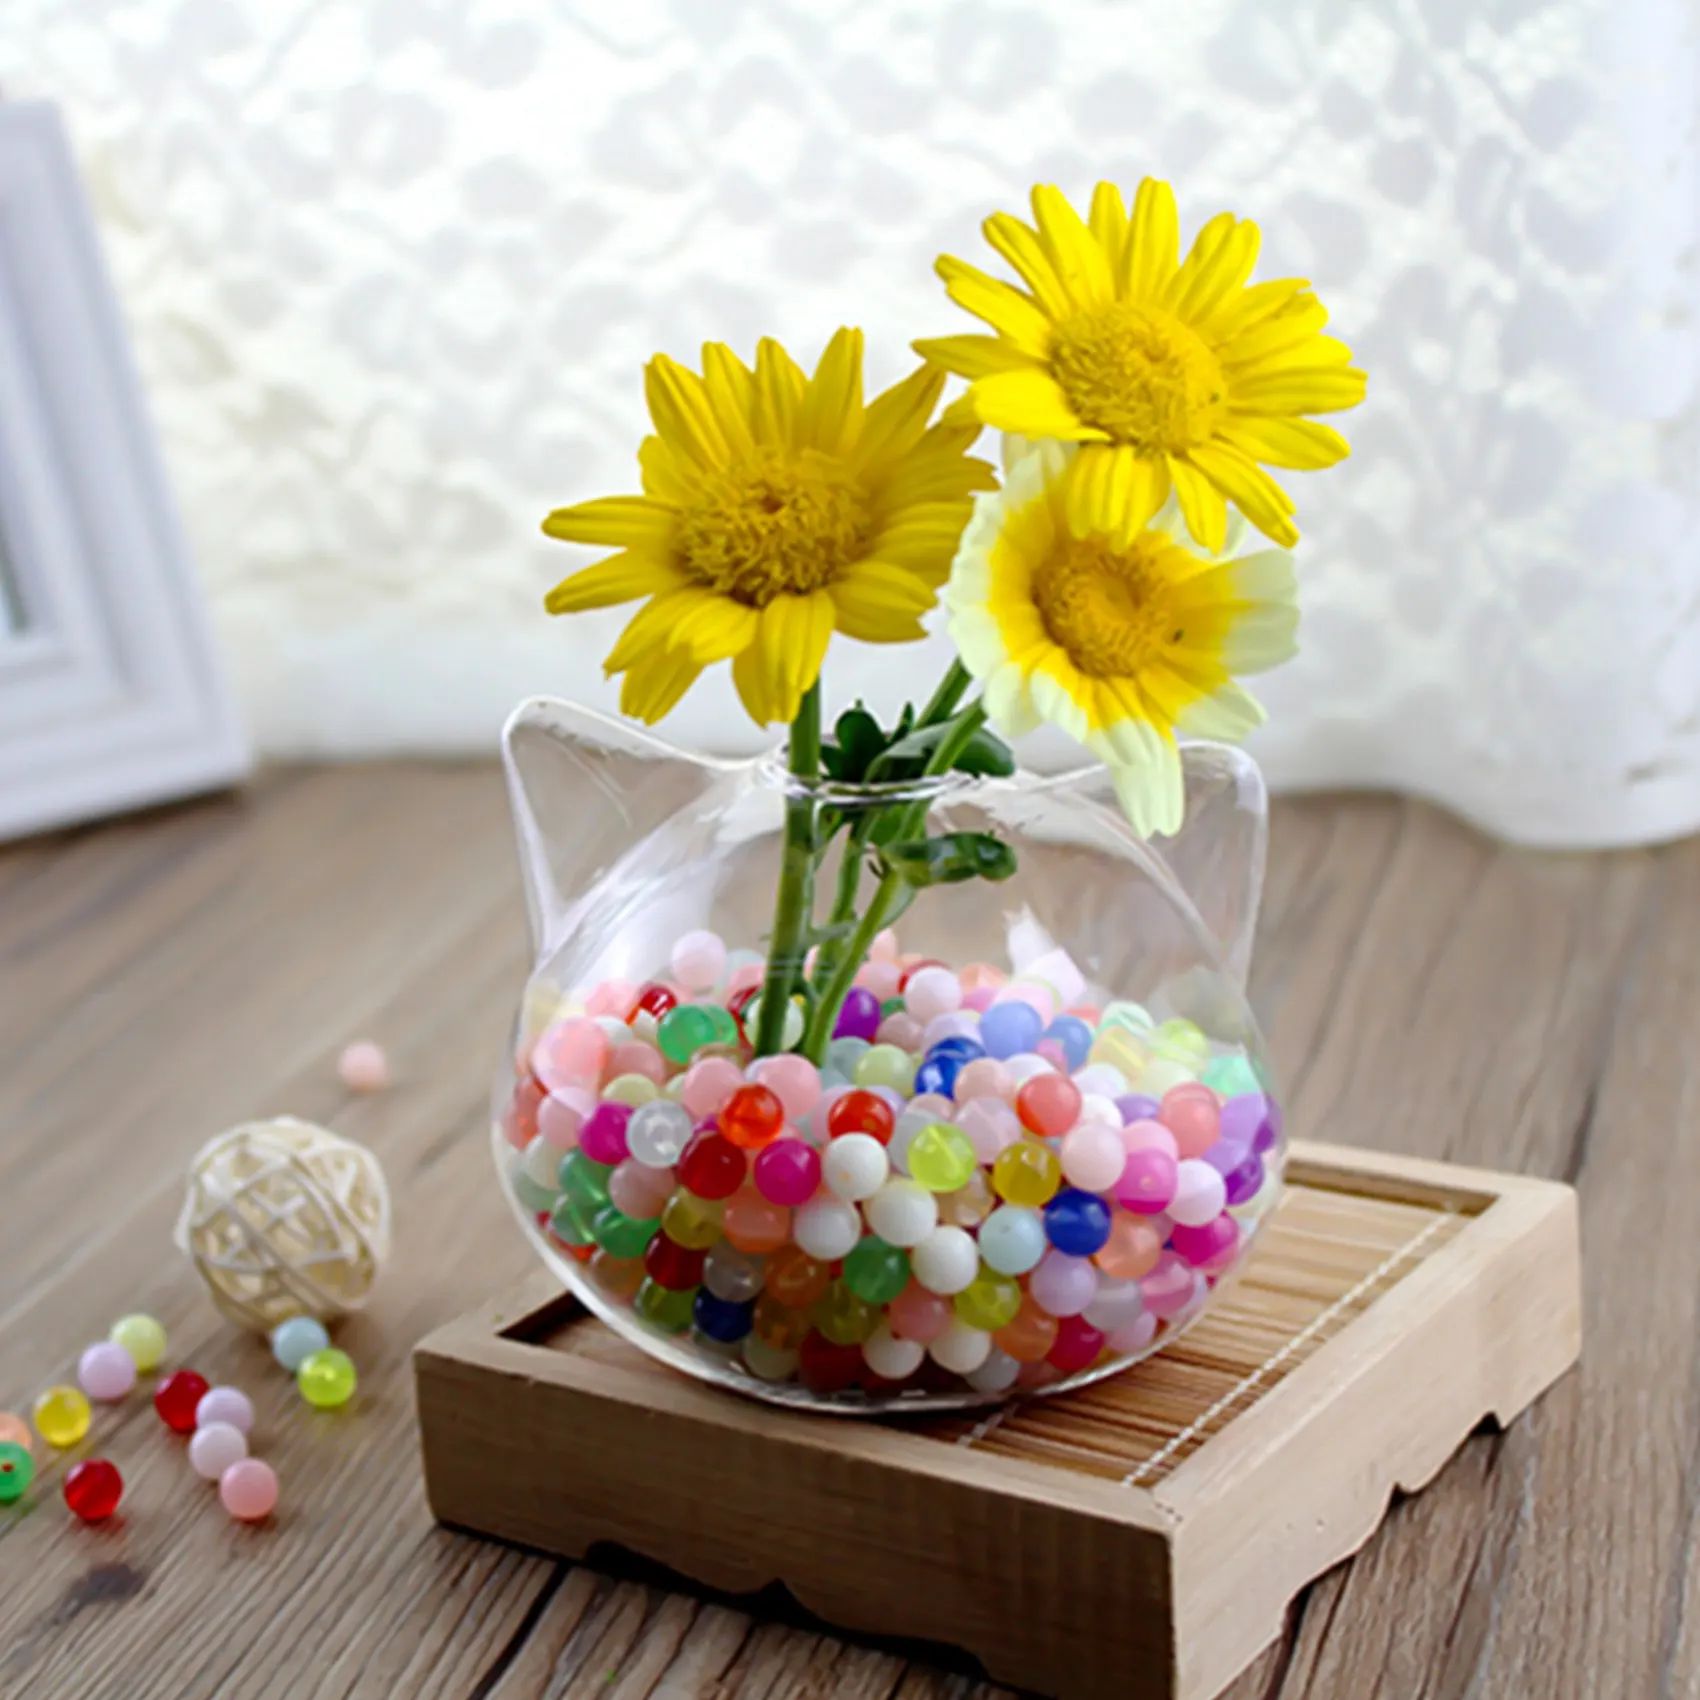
(249,1490)
(178,1397)
(296,1340)
(214,1447)
(93,1489)
(225,1405)
(143,1338)
(62,1416)
(106,1372)
(327,1379)
(17,1471)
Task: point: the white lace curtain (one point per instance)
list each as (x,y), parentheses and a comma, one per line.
(393,266)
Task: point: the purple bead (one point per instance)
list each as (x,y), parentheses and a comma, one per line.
(1245,1180)
(603,1137)
(1137,1107)
(1251,1121)
(1226,1155)
(860,1016)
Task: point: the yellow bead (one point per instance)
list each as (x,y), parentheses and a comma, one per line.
(1121,1049)
(989,1301)
(1183,1042)
(633,1089)
(143,1338)
(326,1378)
(778,1326)
(693,1222)
(941,1157)
(845,1319)
(62,1416)
(1027,1173)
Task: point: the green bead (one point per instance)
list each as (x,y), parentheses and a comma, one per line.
(684,1030)
(573,1222)
(584,1180)
(1232,1076)
(531,1195)
(885,1065)
(941,1157)
(663,1307)
(990,1301)
(843,1318)
(725,1023)
(327,1379)
(1133,1018)
(875,1271)
(893,1006)
(17,1471)
(1181,1041)
(621,1235)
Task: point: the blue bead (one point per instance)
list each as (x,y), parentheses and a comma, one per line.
(1007,1029)
(938,1074)
(296,1340)
(720,1319)
(1074,1036)
(960,1046)
(1077,1223)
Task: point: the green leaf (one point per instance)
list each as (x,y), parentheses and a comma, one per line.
(859,740)
(985,754)
(951,858)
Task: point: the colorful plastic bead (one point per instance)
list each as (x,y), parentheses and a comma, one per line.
(17,1471)
(1134,1245)
(106,1372)
(1027,1173)
(720,1319)
(248,1490)
(226,1405)
(1076,1346)
(1064,1285)
(698,960)
(875,1271)
(788,1172)
(683,1031)
(941,1157)
(859,1018)
(1077,1222)
(794,1081)
(1012,1239)
(844,1316)
(755,1224)
(990,1301)
(296,1340)
(1201,1194)
(61,1416)
(885,1065)
(916,1314)
(1048,1104)
(826,1228)
(733,1275)
(671,1265)
(1093,1156)
(93,1489)
(692,1221)
(961,1348)
(664,1308)
(657,1132)
(711,1166)
(14,1431)
(327,1379)
(861,1111)
(795,1279)
(142,1337)
(892,1358)
(946,1261)
(1030,1334)
(1148,1180)
(214,1447)
(902,1212)
(602,1138)
(639,1192)
(1193,1114)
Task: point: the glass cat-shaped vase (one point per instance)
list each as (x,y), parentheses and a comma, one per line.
(1041,1139)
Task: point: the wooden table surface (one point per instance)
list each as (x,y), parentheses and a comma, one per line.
(164,977)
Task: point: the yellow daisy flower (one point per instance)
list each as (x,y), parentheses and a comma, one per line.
(776,510)
(1119,632)
(1174,375)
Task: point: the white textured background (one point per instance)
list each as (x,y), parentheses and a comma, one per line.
(392,273)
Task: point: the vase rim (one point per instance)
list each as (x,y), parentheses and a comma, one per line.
(772,771)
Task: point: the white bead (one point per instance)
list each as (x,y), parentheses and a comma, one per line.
(1095,1107)
(1012,1239)
(1102,1080)
(1159,1075)
(698,960)
(901,1213)
(1115,1306)
(657,1133)
(946,1261)
(854,1166)
(542,1164)
(214,1448)
(895,1359)
(996,1375)
(1025,1064)
(1200,1193)
(961,1348)
(827,1228)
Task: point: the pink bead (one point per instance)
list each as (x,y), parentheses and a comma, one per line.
(1063,1285)
(249,1490)
(708,1084)
(787,1171)
(214,1448)
(519,1120)
(880,978)
(979,998)
(1150,1136)
(570,1053)
(1054,1052)
(794,1081)
(635,1058)
(901,1030)
(363,1067)
(698,960)
(106,1372)
(1201,1194)
(1049,1104)
(561,1115)
(1147,1181)
(638,1191)
(1093,1158)
(228,1405)
(984,1077)
(742,978)
(603,1136)
(1076,1347)
(990,1125)
(1193,1114)
(981,977)
(884,947)
(931,992)
(1168,1288)
(916,1314)
(1210,1246)
(612,997)
(1135,1337)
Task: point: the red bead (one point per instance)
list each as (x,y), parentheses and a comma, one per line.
(825,1368)
(673,1266)
(1076,1346)
(94,1487)
(861,1112)
(1048,1104)
(656,999)
(176,1398)
(710,1166)
(751,1116)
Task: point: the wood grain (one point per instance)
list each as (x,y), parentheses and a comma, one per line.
(161,978)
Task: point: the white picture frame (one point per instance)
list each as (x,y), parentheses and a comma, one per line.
(110,695)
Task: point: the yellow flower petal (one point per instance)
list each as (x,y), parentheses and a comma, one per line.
(897,418)
(1318,389)
(621,578)
(832,407)
(1202,507)
(922,538)
(1074,252)
(879,603)
(1301,444)
(1230,712)
(678,404)
(976,356)
(657,623)
(653,686)
(1011,312)
(1031,402)
(1153,792)
(1252,490)
(1154,239)
(731,395)
(1113,492)
(1222,256)
(666,476)
(1109,226)
(772,674)
(621,521)
(780,387)
(1023,249)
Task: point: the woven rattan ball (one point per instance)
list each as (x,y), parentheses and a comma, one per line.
(285,1219)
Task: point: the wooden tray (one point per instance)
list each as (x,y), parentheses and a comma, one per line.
(1141,1537)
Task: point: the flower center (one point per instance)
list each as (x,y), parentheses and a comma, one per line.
(1139,375)
(1108,608)
(774,525)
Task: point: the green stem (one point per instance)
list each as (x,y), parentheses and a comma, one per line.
(796,878)
(891,891)
(947,696)
(844,898)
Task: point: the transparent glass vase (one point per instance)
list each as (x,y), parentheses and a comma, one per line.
(1131,955)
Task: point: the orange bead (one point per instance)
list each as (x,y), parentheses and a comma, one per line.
(1049,1104)
(751,1117)
(1193,1114)
(754,1224)
(1134,1245)
(779,1325)
(1030,1335)
(796,1279)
